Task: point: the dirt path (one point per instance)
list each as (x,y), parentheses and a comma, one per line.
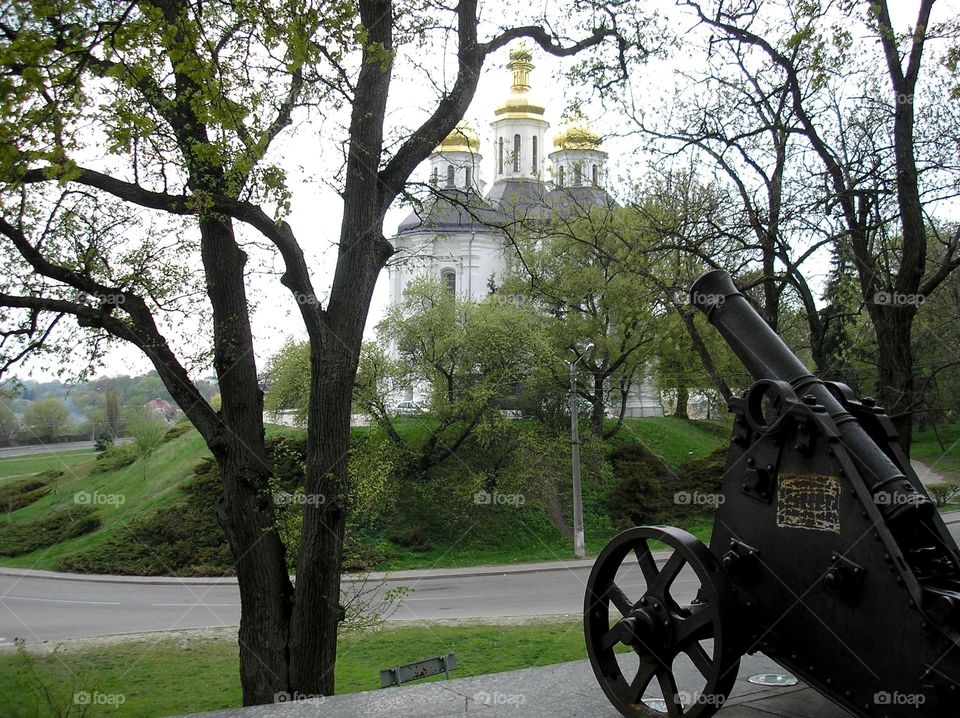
(927,474)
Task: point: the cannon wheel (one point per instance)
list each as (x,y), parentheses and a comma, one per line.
(659,629)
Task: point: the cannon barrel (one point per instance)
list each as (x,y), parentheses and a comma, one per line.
(765,356)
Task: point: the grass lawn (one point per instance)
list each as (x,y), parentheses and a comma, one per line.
(117,495)
(35,463)
(674,440)
(176,676)
(925,448)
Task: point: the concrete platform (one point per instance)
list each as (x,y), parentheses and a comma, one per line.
(565,690)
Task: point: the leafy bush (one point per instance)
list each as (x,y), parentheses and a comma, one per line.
(176,430)
(115,457)
(943,493)
(17,494)
(54,527)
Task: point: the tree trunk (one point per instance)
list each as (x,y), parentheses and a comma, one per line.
(895,367)
(683,398)
(598,408)
(244,510)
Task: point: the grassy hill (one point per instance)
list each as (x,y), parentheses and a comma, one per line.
(144,522)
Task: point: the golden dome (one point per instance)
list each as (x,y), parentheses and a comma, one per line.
(462,139)
(576,134)
(519,105)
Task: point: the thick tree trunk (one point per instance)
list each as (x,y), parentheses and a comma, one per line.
(683,399)
(244,510)
(896,369)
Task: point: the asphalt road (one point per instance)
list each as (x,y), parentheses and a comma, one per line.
(39,449)
(44,609)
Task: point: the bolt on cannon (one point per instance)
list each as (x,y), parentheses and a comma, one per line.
(826,555)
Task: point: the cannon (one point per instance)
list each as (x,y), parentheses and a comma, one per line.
(826,555)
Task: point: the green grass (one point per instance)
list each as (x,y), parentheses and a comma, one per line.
(674,440)
(117,496)
(52,459)
(174,676)
(926,449)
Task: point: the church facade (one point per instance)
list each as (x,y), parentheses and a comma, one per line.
(457,234)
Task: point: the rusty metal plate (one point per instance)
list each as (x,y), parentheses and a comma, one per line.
(809,501)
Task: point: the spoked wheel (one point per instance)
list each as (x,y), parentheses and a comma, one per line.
(684,646)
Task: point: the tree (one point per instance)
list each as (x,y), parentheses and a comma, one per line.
(469,357)
(573,269)
(47,418)
(879,144)
(147,433)
(9,425)
(186,98)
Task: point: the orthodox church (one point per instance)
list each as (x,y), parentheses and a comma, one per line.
(457,234)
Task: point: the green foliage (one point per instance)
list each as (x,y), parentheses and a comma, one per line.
(148,434)
(944,493)
(23,492)
(180,539)
(288,383)
(115,456)
(55,526)
(47,419)
(9,424)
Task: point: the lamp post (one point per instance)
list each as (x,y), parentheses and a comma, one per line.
(579,550)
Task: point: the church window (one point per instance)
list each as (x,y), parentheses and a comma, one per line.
(500,158)
(434,177)
(596,176)
(577,175)
(516,153)
(534,153)
(560,176)
(449,278)
(451,176)
(468,179)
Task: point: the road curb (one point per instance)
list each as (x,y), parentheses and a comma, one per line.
(394,576)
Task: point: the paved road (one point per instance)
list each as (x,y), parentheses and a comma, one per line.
(43,609)
(35,449)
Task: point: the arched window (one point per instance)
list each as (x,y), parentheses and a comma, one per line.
(534,153)
(451,176)
(577,175)
(434,178)
(468,177)
(449,278)
(500,157)
(560,176)
(596,176)
(516,153)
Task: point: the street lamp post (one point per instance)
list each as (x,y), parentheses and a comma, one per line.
(579,550)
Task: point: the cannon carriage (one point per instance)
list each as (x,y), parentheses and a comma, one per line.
(826,555)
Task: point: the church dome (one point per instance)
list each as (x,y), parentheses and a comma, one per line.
(462,139)
(520,104)
(576,134)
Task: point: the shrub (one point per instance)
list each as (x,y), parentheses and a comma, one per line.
(115,457)
(23,492)
(56,526)
(175,431)
(943,493)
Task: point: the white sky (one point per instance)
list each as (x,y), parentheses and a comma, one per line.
(312,154)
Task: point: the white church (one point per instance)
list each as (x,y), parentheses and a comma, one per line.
(455,235)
